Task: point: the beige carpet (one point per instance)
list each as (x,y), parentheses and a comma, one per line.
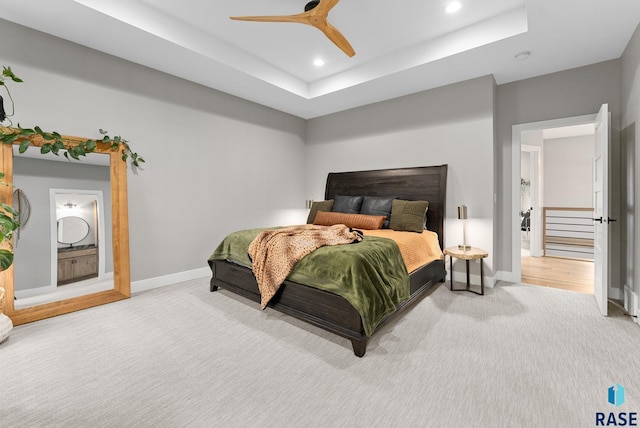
(180,356)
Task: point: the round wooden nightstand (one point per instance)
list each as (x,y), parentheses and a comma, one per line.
(467,255)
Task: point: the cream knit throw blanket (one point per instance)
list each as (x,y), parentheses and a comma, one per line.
(274,253)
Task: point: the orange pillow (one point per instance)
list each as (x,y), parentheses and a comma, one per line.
(358,221)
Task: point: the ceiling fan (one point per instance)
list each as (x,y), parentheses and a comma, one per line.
(315,14)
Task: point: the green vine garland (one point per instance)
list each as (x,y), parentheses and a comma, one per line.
(54,141)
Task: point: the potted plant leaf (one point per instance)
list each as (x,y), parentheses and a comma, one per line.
(8,224)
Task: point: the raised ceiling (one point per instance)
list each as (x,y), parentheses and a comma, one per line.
(401,47)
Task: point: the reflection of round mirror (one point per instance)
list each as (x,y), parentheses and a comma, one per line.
(72,230)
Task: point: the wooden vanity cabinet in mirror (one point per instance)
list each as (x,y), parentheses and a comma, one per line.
(77,264)
(120,233)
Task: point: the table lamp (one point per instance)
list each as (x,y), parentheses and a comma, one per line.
(462,215)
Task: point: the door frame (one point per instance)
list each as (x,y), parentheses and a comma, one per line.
(53,239)
(601,207)
(535,219)
(516,153)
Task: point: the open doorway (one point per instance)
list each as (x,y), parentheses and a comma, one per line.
(554,246)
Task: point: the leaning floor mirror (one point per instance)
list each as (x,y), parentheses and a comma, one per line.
(72,250)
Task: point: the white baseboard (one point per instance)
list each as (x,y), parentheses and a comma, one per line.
(631,304)
(136,286)
(614,293)
(161,281)
(474,279)
(30,292)
(505,276)
(47,289)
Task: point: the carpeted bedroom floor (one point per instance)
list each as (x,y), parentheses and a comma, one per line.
(180,356)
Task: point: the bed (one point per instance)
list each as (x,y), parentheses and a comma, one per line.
(333,312)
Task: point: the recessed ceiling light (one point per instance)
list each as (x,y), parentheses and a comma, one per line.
(522,56)
(318,62)
(453,7)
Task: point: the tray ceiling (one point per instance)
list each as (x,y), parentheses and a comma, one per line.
(401,47)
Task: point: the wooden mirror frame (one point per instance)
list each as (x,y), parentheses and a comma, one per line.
(120,232)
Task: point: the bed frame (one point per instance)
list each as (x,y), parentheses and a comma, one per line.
(330,311)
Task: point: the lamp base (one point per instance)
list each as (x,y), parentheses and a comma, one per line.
(464,247)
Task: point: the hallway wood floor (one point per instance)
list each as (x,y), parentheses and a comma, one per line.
(568,274)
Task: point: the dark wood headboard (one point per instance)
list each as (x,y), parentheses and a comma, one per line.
(425,183)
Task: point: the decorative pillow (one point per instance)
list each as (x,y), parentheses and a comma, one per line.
(356,221)
(347,204)
(408,215)
(319,206)
(378,205)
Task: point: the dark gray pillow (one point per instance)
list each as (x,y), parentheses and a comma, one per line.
(378,205)
(318,206)
(408,215)
(347,204)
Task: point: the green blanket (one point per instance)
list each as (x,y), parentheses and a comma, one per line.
(370,274)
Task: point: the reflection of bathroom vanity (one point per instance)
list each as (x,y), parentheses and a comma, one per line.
(79,259)
(77,263)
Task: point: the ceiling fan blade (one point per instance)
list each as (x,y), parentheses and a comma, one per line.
(316,17)
(302,18)
(336,37)
(325,6)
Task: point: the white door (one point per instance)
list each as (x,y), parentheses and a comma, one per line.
(601,209)
(536,212)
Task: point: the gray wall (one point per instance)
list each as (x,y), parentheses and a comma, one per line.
(449,125)
(630,139)
(32,266)
(568,172)
(575,92)
(215,163)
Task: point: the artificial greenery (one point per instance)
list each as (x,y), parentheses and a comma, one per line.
(8,224)
(54,141)
(54,144)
